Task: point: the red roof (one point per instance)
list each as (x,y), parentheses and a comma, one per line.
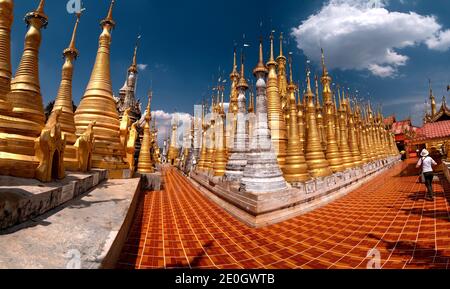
(389,120)
(434,130)
(401,126)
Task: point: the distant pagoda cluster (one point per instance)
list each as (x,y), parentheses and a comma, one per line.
(102,133)
(283,139)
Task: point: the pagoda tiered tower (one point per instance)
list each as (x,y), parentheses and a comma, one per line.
(127,94)
(315,157)
(238,153)
(296,169)
(145,164)
(173,147)
(262,172)
(6,21)
(277,124)
(98,105)
(330,112)
(28,147)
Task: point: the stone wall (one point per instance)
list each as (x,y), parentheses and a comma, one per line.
(25,199)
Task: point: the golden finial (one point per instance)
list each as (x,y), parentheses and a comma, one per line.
(324,68)
(39,14)
(316,79)
(272,58)
(40,8)
(242,81)
(281,45)
(150,96)
(109,18)
(235,61)
(291,80)
(308,82)
(133,67)
(71,49)
(260,67)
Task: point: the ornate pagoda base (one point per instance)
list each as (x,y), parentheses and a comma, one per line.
(271,207)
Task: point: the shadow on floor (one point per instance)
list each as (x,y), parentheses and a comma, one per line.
(434,214)
(409,170)
(197,261)
(420,256)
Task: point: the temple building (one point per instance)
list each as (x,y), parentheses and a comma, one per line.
(127,94)
(435,133)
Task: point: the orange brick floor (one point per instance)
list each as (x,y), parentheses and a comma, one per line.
(180,228)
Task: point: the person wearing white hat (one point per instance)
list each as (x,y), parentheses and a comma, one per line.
(427,163)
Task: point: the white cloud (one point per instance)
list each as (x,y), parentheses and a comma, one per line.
(365,35)
(142,67)
(164,122)
(440,42)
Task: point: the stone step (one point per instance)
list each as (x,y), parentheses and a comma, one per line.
(24,199)
(86,233)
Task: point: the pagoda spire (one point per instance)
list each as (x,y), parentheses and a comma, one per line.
(64,100)
(283,83)
(145,165)
(262,172)
(6,20)
(234,76)
(109,21)
(133,68)
(432,100)
(260,67)
(277,123)
(98,105)
(25,95)
(315,157)
(296,169)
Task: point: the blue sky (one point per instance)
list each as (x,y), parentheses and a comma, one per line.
(185,42)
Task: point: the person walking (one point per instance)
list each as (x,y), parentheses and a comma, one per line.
(427,163)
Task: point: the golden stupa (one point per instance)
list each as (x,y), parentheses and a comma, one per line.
(78,151)
(344,149)
(98,105)
(296,169)
(28,147)
(315,157)
(275,116)
(319,116)
(220,155)
(332,151)
(283,84)
(352,137)
(301,121)
(6,20)
(203,152)
(145,164)
(360,130)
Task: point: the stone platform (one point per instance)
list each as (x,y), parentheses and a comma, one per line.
(263,209)
(87,232)
(24,199)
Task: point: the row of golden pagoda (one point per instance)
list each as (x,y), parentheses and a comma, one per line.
(92,137)
(310,139)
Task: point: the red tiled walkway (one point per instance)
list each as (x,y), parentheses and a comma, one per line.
(180,228)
